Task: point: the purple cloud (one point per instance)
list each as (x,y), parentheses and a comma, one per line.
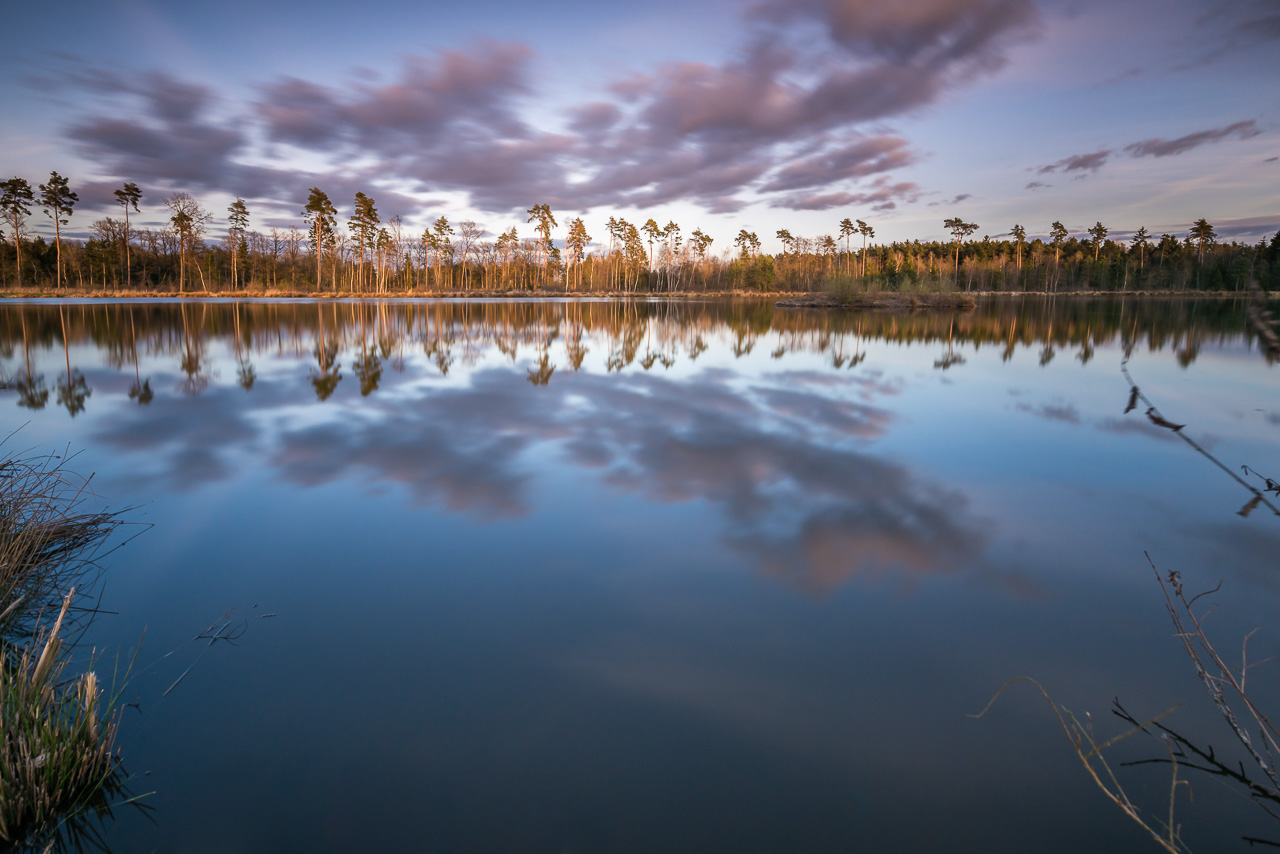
(1169,147)
(1084,163)
(685,131)
(858,159)
(429,97)
(882,196)
(912,32)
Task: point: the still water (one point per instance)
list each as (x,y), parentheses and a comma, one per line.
(598,576)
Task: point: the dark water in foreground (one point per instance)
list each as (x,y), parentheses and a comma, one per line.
(594,576)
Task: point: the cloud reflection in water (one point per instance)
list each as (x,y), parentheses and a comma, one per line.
(788,469)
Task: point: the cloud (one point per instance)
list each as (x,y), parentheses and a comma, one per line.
(715,134)
(1063,412)
(882,195)
(1037,185)
(1083,163)
(1238,28)
(781,463)
(1170,147)
(178,441)
(802,504)
(168,141)
(1247,228)
(960,197)
(1087,164)
(918,31)
(1136,427)
(858,159)
(430,97)
(164,137)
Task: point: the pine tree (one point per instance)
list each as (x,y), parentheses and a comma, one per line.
(237,224)
(1099,234)
(128,196)
(576,243)
(321,218)
(15,202)
(959,230)
(364,226)
(57,200)
(867,231)
(847,230)
(1140,240)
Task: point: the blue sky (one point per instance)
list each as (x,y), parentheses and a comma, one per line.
(720,114)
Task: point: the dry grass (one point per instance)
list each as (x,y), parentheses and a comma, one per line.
(48,543)
(58,766)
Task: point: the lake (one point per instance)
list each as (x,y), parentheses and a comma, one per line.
(607,576)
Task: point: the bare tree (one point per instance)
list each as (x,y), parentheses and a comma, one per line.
(189,222)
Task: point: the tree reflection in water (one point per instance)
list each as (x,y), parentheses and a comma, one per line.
(782,462)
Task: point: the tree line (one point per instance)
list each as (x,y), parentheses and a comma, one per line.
(366,254)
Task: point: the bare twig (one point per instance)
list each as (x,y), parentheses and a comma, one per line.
(1217,673)
(1166,833)
(1155,416)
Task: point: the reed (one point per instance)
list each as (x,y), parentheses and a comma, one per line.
(59,770)
(48,541)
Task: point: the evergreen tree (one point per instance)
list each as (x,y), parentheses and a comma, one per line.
(364,226)
(541,214)
(576,243)
(1057,234)
(1099,234)
(867,231)
(15,203)
(651,229)
(128,196)
(1140,241)
(237,224)
(959,230)
(847,230)
(1202,233)
(443,244)
(321,218)
(788,241)
(57,200)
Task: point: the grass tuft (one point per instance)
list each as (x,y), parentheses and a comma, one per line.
(58,764)
(47,542)
(59,770)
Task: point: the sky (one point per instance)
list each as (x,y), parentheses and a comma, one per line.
(715,114)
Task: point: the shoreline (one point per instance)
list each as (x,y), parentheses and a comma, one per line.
(783,299)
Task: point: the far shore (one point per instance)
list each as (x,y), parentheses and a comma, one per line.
(784,299)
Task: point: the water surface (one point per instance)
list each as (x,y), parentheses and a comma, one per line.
(605,576)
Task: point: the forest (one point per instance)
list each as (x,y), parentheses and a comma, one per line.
(366,255)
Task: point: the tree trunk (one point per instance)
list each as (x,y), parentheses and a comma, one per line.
(58,245)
